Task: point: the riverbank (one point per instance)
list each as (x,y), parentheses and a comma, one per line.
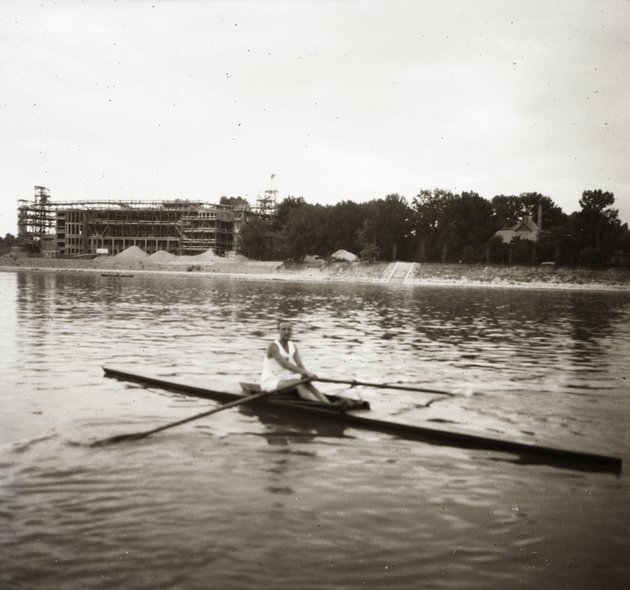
(394,273)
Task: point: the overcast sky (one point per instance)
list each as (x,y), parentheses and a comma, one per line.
(340,100)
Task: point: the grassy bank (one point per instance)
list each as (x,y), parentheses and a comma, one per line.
(418,274)
(524,275)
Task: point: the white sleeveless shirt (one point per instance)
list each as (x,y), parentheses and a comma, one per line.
(273,372)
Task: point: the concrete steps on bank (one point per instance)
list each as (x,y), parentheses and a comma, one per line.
(399,272)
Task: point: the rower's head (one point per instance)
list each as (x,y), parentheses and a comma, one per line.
(285,329)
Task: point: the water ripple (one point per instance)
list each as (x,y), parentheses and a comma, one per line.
(243,499)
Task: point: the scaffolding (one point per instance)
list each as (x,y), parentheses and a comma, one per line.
(88,228)
(266,205)
(36,218)
(203,229)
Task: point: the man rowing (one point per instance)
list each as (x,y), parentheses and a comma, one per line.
(283,367)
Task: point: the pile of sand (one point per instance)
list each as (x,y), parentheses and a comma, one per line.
(162,256)
(204,257)
(208,256)
(132,253)
(236,258)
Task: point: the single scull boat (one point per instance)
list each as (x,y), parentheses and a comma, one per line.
(355,413)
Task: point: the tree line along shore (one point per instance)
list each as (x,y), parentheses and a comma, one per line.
(441,226)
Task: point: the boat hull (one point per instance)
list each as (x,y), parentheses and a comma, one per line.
(357,417)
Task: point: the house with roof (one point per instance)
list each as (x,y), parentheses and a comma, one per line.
(525,229)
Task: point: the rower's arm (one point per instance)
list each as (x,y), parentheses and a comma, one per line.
(298,360)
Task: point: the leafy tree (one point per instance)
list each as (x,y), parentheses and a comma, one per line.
(521,251)
(496,250)
(596,227)
(509,210)
(368,249)
(429,213)
(598,201)
(429,216)
(303,232)
(552,215)
(6,243)
(467,221)
(445,224)
(234,202)
(342,222)
(284,210)
(255,239)
(469,255)
(391,222)
(475,219)
(622,247)
(430,206)
(556,244)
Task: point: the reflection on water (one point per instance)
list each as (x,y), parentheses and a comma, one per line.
(245,499)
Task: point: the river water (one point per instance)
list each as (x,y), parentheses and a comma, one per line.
(245,499)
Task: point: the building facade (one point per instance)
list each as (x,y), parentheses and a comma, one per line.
(89,228)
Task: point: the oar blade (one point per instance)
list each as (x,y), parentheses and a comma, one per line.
(112,440)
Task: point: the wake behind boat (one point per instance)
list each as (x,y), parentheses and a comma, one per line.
(356,413)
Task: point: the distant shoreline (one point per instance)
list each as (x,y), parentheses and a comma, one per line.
(420,274)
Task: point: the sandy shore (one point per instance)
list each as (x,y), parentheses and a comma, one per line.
(427,274)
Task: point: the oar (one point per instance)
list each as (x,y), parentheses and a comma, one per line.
(238,402)
(383,386)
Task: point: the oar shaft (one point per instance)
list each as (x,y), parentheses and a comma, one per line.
(383,385)
(238,402)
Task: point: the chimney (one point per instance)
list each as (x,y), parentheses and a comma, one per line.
(540,215)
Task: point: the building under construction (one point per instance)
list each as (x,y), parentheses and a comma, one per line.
(89,228)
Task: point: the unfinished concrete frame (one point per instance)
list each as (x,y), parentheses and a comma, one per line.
(84,227)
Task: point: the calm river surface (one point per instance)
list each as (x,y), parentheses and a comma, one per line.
(243,499)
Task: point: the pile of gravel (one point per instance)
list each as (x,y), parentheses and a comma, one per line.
(162,256)
(132,253)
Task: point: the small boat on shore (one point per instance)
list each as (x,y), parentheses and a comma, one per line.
(356,413)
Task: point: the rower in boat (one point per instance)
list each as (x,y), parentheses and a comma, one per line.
(283,367)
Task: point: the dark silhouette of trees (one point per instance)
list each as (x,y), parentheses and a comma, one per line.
(440,225)
(552,215)
(390,220)
(6,243)
(234,202)
(365,237)
(256,239)
(596,227)
(343,221)
(451,227)
(470,227)
(429,215)
(508,210)
(497,251)
(303,232)
(284,209)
